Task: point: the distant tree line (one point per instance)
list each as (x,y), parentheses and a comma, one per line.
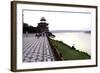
(29,29)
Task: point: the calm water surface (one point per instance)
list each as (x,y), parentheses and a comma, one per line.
(81,40)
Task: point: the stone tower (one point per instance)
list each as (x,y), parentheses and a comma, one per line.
(42,26)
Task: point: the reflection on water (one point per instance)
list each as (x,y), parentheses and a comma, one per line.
(81,40)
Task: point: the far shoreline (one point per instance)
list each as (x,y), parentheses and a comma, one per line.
(63,31)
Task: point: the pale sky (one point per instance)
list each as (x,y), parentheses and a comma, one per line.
(59,20)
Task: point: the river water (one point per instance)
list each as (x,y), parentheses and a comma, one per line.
(81,40)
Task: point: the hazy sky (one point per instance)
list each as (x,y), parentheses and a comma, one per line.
(59,20)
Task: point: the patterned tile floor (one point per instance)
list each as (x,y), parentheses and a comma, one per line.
(36,49)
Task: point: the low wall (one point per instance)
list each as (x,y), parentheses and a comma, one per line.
(57,55)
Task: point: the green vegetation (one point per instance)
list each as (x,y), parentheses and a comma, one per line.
(68,52)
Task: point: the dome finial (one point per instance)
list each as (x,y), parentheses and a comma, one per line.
(42,19)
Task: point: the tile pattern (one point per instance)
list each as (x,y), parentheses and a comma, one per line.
(36,49)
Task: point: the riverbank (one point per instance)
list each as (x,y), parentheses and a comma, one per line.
(67,52)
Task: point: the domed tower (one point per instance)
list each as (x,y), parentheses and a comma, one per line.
(42,25)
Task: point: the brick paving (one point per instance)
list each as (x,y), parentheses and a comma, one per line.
(36,49)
